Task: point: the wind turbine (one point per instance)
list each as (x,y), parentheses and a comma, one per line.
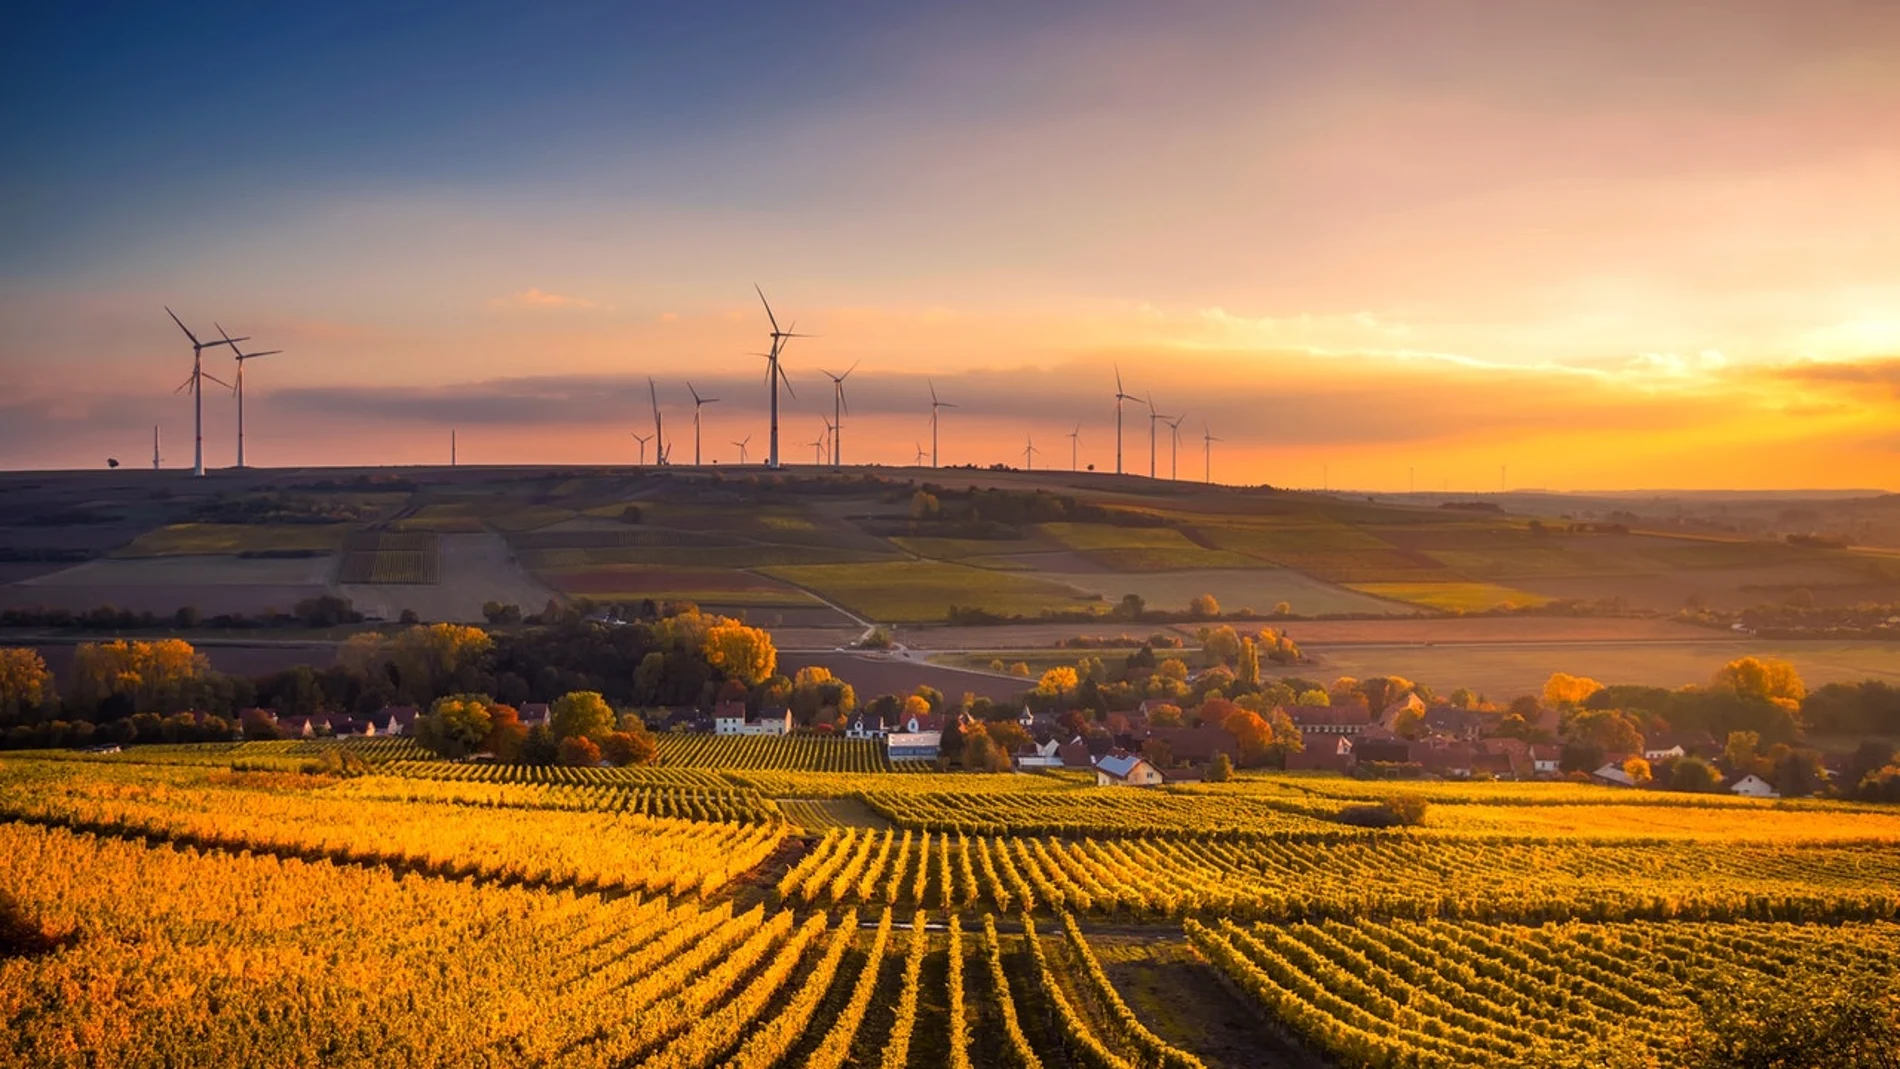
(820,445)
(1075,444)
(155,460)
(241,357)
(1120,396)
(1207,453)
(1154,417)
(775,374)
(742,443)
(839,407)
(1029,453)
(1174,450)
(919,462)
(934,406)
(196,385)
(698,402)
(659,430)
(643,439)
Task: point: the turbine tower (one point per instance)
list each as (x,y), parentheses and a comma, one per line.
(1207,453)
(643,439)
(196,385)
(819,446)
(934,406)
(242,356)
(155,461)
(839,409)
(919,462)
(1154,417)
(1174,449)
(1120,396)
(774,373)
(1029,453)
(742,443)
(659,430)
(1075,444)
(698,403)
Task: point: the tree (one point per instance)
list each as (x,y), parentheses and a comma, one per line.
(1057,683)
(741,652)
(629,747)
(159,676)
(1740,753)
(1382,691)
(980,752)
(1283,608)
(925,506)
(578,751)
(1314,697)
(1637,768)
(1563,690)
(1132,606)
(1221,644)
(456,725)
(540,747)
(24,681)
(581,714)
(1247,667)
(1694,775)
(1221,768)
(1174,668)
(1761,677)
(507,735)
(1409,724)
(1799,773)
(1164,715)
(1020,669)
(1204,607)
(1609,730)
(1262,740)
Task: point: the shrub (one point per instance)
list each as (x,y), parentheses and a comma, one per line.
(579,752)
(1397,811)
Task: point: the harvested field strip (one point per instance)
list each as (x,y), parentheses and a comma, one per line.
(1452,597)
(391,557)
(234,539)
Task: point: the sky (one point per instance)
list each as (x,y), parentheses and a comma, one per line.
(1443,244)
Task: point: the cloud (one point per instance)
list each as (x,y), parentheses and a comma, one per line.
(1856,376)
(535,298)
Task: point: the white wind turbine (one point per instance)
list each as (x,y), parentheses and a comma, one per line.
(839,409)
(1029,453)
(1207,453)
(1174,448)
(774,372)
(919,462)
(820,446)
(643,439)
(242,356)
(934,406)
(1154,417)
(196,385)
(659,430)
(1120,396)
(742,443)
(698,403)
(1075,445)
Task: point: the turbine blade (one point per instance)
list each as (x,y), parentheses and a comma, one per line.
(267,352)
(219,381)
(181,325)
(187,383)
(768,308)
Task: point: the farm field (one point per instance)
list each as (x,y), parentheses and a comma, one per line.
(738,904)
(1504,669)
(909,591)
(1259,588)
(1452,597)
(212,539)
(471,569)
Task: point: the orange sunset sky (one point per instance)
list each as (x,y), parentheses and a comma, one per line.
(1608,245)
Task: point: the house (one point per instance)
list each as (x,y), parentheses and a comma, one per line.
(768,722)
(1544,759)
(729,718)
(1391,751)
(1075,754)
(866,726)
(1193,746)
(534,714)
(1613,775)
(1326,720)
(1328,754)
(393,720)
(1753,786)
(1389,716)
(1126,770)
(913,745)
(920,723)
(1454,722)
(1664,745)
(1039,755)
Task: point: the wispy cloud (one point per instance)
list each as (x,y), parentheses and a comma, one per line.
(536,298)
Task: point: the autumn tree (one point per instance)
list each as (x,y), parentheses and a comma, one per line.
(741,652)
(1221,644)
(1204,607)
(981,753)
(1263,740)
(579,751)
(1637,768)
(629,747)
(1694,775)
(1609,730)
(1564,690)
(1741,754)
(24,682)
(1314,697)
(158,676)
(1247,663)
(817,694)
(1409,724)
(1058,683)
(456,725)
(1164,715)
(581,714)
(1221,768)
(1761,677)
(1382,691)
(506,734)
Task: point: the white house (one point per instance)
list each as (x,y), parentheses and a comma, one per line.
(1544,760)
(729,718)
(1126,770)
(1662,754)
(913,745)
(1754,786)
(866,726)
(768,722)
(1040,755)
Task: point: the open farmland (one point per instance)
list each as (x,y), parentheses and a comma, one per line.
(211,539)
(472,569)
(1452,597)
(738,904)
(221,584)
(913,591)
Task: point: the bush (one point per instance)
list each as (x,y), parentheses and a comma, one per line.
(1397,811)
(1221,769)
(579,752)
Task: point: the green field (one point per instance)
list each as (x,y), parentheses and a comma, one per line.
(210,539)
(1451,597)
(911,591)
